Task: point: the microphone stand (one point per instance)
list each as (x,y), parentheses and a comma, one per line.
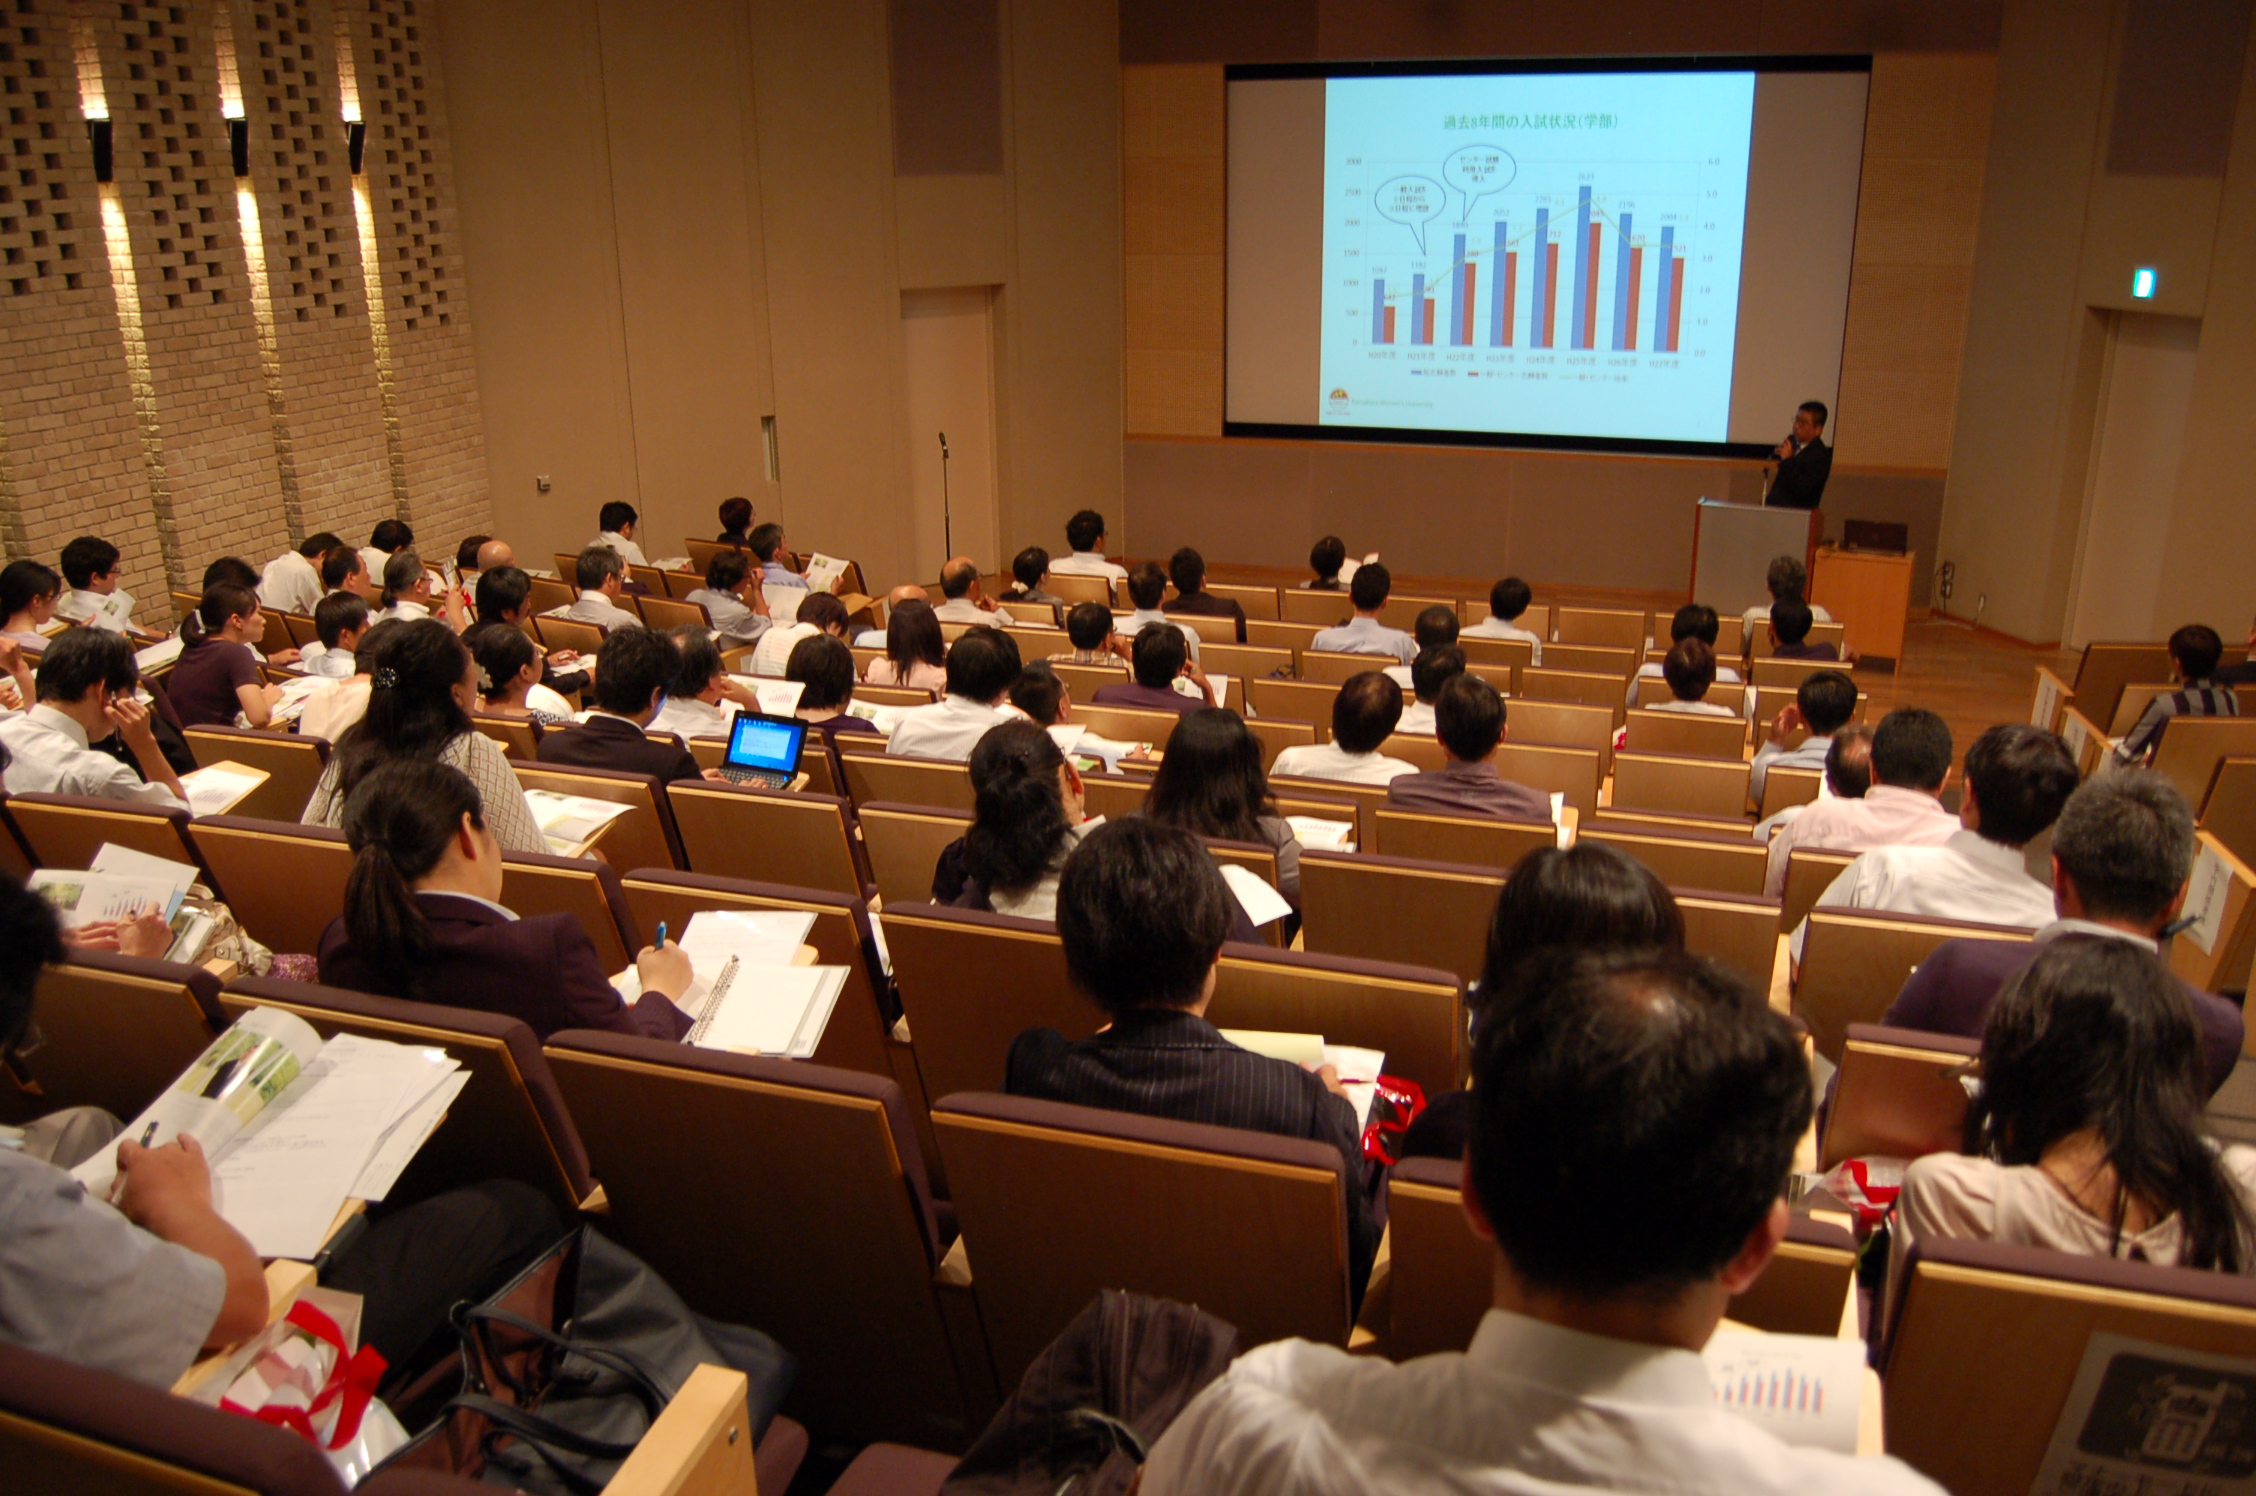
(947,523)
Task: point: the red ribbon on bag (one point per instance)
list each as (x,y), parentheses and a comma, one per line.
(352,1382)
(1403,1100)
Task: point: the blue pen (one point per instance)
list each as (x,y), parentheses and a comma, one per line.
(661,936)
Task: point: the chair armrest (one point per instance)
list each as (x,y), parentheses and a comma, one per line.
(702,1443)
(285,1280)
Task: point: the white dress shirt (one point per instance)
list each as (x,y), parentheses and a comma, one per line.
(48,755)
(1493,627)
(405,610)
(1809,753)
(1695,708)
(1331,761)
(330,664)
(963,610)
(1528,1409)
(1088,564)
(374,560)
(1360,635)
(1968,877)
(687,717)
(774,651)
(1417,719)
(626,549)
(101,610)
(290,584)
(595,608)
(949,728)
(1885,817)
(1128,625)
(547,701)
(1650,670)
(732,620)
(333,708)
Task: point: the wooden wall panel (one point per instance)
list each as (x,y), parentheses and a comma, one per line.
(1172,222)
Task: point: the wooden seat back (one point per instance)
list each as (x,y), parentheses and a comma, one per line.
(2228,812)
(1242,661)
(2192,747)
(1564,724)
(519,737)
(1809,873)
(1419,749)
(1687,735)
(1788,786)
(662,613)
(2215,955)
(1620,661)
(293,766)
(65,831)
(568,633)
(1471,841)
(1387,908)
(1285,634)
(904,843)
(2107,667)
(874,777)
(115,1031)
(2051,696)
(284,882)
(1718,865)
(1314,609)
(1513,654)
(1572,772)
(1898,1095)
(1668,781)
(1301,700)
(1080,589)
(1276,734)
(1253,600)
(1738,931)
(1546,683)
(644,837)
(1334,669)
(767,836)
(582,889)
(1855,961)
(1127,724)
(1618,627)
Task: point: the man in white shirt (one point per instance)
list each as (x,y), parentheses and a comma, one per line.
(981,668)
(291,582)
(1147,587)
(1911,762)
(821,613)
(389,536)
(731,599)
(601,575)
(1434,625)
(1507,601)
(1787,577)
(1364,715)
(1085,538)
(91,594)
(963,601)
(1690,671)
(85,686)
(339,621)
(1587,1373)
(1433,669)
(343,569)
(701,701)
(1692,621)
(875,638)
(616,524)
(1364,634)
(1823,705)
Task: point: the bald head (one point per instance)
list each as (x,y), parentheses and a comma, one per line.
(495,553)
(904,593)
(960,578)
(1848,762)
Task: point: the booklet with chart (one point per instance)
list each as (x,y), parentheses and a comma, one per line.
(748,994)
(1358,1068)
(1805,1389)
(572,823)
(1323,835)
(294,1127)
(120,885)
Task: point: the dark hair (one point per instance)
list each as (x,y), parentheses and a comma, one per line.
(1848,762)
(632,666)
(1469,718)
(1084,530)
(985,669)
(1689,670)
(736,515)
(766,540)
(413,668)
(1142,912)
(2096,1033)
(2197,649)
(400,575)
(615,515)
(77,660)
(1038,692)
(1588,897)
(956,578)
(1187,569)
(594,564)
(390,535)
(229,569)
(1158,654)
(1028,566)
(222,603)
(1327,556)
(338,563)
(1435,668)
(466,554)
(1088,625)
(30,937)
(1695,621)
(912,637)
(1616,1089)
(1791,620)
(1210,780)
(1911,749)
(823,610)
(313,547)
(825,667)
(727,570)
(502,651)
(1147,584)
(502,590)
(1827,699)
(1366,710)
(2019,776)
(697,660)
(86,558)
(1018,813)
(398,822)
(1509,598)
(1815,408)
(1369,589)
(1435,625)
(336,614)
(24,582)
(1787,577)
(2126,840)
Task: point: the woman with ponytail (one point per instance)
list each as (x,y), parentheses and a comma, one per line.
(423,919)
(217,674)
(422,686)
(1027,817)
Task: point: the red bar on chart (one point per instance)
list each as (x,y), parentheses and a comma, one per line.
(1636,281)
(1509,291)
(1589,289)
(1388,324)
(1550,291)
(1676,299)
(1465,330)
(1425,321)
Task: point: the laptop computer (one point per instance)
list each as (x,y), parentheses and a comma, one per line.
(764,750)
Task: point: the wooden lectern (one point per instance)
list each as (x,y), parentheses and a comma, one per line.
(1869,593)
(1734,544)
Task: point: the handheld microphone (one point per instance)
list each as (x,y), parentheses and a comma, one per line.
(943,444)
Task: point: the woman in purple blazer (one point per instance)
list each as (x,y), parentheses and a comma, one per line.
(423,919)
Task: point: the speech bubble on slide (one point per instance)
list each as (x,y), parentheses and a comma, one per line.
(1478,170)
(1413,202)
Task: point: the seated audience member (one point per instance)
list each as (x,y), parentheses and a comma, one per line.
(601,576)
(736,522)
(509,670)
(1027,816)
(1911,762)
(233,570)
(2017,779)
(1790,625)
(466,555)
(820,613)
(1041,695)
(906,592)
(615,527)
(338,705)
(423,683)
(1613,1090)
(963,600)
(1690,670)
(217,675)
(1142,912)
(85,690)
(339,621)
(2244,673)
(1085,542)
(504,595)
(1433,669)
(1089,628)
(1364,634)
(2122,852)
(90,572)
(2194,653)
(1787,577)
(631,672)
(1030,568)
(27,603)
(824,668)
(774,559)
(1469,723)
(2087,1133)
(1588,897)
(1187,568)
(1364,714)
(1326,558)
(1147,588)
(1210,784)
(731,599)
(291,582)
(423,920)
(981,667)
(1507,601)
(1434,628)
(1823,704)
(407,593)
(916,655)
(1159,658)
(18,690)
(1692,621)
(701,700)
(343,570)
(389,536)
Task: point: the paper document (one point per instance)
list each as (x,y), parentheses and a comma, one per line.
(883,718)
(572,823)
(768,1010)
(1262,903)
(1805,1389)
(1066,735)
(824,571)
(124,862)
(158,656)
(296,692)
(1323,835)
(2206,892)
(778,698)
(218,788)
(670,563)
(82,899)
(783,604)
(1358,1069)
(2152,1418)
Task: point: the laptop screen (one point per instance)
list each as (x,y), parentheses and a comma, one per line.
(757,742)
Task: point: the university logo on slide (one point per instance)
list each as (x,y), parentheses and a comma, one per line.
(1338,398)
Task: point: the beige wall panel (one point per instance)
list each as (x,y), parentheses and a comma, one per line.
(1918,212)
(1175,391)
(1174,301)
(1248,501)
(953,230)
(1174,205)
(1908,315)
(1904,419)
(1930,105)
(1173,110)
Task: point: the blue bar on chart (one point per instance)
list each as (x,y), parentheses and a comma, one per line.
(1418,331)
(1378,311)
(1663,290)
(1457,293)
(1584,269)
(1625,276)
(1539,293)
(1499,290)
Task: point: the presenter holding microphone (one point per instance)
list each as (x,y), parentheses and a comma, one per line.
(1804,462)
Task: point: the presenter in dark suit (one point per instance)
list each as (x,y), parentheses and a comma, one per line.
(631,671)
(1804,462)
(423,920)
